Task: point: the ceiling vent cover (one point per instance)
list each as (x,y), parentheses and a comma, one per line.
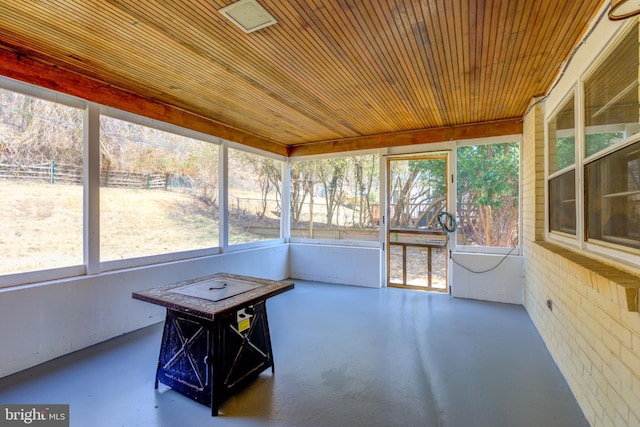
(249,15)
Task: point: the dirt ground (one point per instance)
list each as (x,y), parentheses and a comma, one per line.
(417,267)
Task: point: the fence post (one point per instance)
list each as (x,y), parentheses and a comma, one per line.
(53,172)
(148,181)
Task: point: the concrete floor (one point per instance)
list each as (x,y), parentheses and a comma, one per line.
(345,356)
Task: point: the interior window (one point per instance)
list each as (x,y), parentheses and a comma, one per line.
(562,181)
(613,197)
(611,97)
(562,203)
(562,138)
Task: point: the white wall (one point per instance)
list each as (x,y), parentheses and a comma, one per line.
(44,321)
(503,284)
(348,265)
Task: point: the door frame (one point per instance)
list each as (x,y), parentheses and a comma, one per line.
(449,153)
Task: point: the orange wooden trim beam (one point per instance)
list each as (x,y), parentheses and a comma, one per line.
(422,136)
(29,70)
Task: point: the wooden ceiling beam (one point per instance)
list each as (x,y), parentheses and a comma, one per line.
(25,68)
(423,136)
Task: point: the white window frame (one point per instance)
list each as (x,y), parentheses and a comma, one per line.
(499,250)
(56,272)
(224,197)
(565,238)
(336,242)
(611,251)
(120,264)
(91,214)
(606,248)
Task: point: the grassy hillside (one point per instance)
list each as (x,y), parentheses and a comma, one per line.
(42,224)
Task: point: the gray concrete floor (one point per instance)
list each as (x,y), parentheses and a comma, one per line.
(345,356)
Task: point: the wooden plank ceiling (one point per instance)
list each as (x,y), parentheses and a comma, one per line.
(329,76)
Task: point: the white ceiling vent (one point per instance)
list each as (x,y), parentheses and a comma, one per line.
(249,15)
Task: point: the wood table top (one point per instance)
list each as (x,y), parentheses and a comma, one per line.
(167,296)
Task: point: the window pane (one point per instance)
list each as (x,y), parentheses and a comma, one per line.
(336,198)
(40,184)
(562,203)
(562,138)
(159,191)
(254,197)
(611,97)
(613,197)
(488,177)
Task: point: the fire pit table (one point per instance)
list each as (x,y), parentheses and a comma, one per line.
(216,334)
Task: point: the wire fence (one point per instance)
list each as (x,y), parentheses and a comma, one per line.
(345,224)
(53,173)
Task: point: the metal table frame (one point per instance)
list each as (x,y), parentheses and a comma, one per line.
(210,349)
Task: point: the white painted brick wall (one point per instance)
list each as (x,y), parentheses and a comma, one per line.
(591,333)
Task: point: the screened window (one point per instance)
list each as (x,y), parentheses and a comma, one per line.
(562,203)
(611,97)
(562,138)
(159,191)
(488,194)
(613,197)
(607,168)
(255,194)
(336,198)
(562,155)
(41,181)
(612,115)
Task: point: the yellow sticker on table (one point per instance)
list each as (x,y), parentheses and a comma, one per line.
(245,324)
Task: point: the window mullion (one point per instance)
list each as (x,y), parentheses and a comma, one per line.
(224,197)
(580,149)
(285,223)
(91,160)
